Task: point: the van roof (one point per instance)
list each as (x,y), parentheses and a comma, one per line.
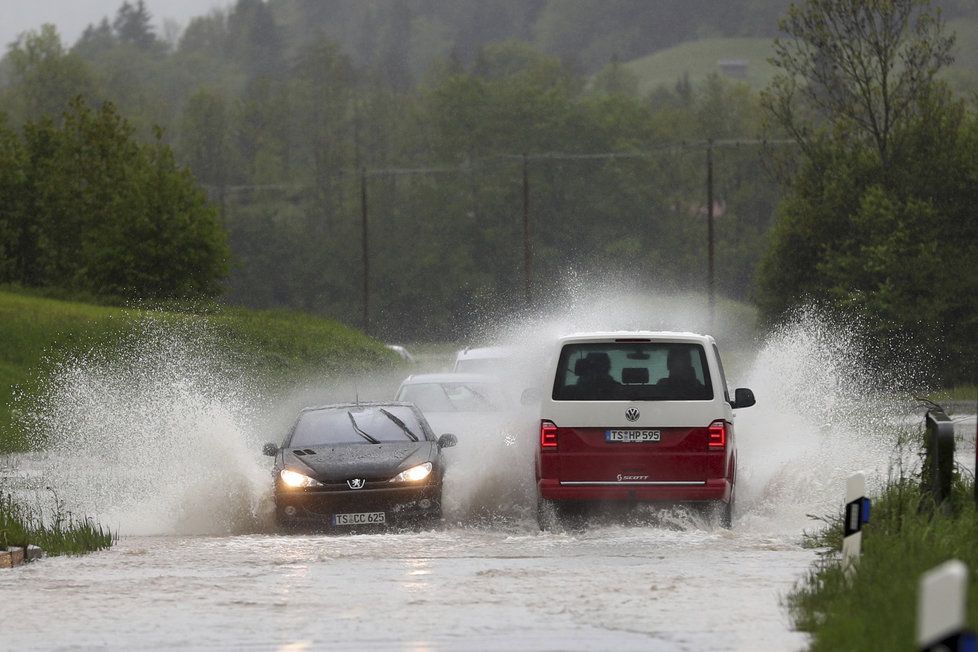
(660,336)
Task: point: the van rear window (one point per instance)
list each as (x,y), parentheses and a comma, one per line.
(643,371)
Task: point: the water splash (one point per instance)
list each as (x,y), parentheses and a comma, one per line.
(162,435)
(825,409)
(154,436)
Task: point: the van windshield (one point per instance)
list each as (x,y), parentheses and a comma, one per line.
(643,371)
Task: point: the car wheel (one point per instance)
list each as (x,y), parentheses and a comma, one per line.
(284,523)
(721,513)
(433,518)
(548,518)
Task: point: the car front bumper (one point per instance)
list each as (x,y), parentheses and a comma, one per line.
(316,508)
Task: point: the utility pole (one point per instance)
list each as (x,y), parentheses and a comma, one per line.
(527,245)
(710,235)
(366,251)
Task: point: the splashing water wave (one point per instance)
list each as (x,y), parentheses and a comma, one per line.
(163,436)
(156,437)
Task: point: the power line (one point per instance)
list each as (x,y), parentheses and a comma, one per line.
(475,165)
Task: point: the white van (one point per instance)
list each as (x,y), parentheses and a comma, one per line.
(637,416)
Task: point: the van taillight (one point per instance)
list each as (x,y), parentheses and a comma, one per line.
(718,434)
(548,434)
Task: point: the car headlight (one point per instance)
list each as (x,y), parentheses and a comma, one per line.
(297,480)
(414,474)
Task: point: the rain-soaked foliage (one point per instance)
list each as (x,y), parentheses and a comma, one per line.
(460,132)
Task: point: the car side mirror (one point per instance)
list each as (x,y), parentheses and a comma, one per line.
(447,441)
(270,449)
(743,398)
(531,396)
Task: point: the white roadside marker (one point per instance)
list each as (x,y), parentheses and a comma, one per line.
(941,603)
(855,515)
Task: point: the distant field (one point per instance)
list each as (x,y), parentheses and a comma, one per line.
(274,345)
(701,58)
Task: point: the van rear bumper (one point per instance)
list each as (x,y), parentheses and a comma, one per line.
(714,489)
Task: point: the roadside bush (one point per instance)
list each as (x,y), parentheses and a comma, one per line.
(86,207)
(907,536)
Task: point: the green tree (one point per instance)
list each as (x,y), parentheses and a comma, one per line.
(104,214)
(859,70)
(133,25)
(879,212)
(205,141)
(44,76)
(12,209)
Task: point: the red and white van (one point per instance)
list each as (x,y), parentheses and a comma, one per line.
(638,417)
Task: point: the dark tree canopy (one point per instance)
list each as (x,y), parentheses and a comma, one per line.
(89,208)
(877,222)
(133,25)
(860,69)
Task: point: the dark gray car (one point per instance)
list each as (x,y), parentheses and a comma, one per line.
(358,465)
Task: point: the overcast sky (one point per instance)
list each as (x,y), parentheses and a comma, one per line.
(72,16)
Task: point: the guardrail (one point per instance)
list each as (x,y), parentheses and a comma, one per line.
(938,469)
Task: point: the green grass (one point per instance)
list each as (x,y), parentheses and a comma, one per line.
(275,346)
(60,534)
(699,59)
(957,393)
(905,538)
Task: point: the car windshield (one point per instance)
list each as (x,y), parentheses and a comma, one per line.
(452,397)
(644,371)
(356,425)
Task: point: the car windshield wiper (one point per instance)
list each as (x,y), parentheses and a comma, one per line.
(401,425)
(359,431)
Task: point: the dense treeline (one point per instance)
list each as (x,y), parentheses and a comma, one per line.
(276,122)
(289,112)
(84,206)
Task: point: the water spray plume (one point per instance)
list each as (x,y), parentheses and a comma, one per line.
(163,435)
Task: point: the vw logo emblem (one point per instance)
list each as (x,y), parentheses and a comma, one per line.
(356,483)
(632,414)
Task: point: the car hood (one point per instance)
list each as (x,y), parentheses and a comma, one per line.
(368,461)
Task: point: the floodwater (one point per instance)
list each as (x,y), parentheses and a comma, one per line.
(163,446)
(624,588)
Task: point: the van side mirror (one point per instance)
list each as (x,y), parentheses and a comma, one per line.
(447,441)
(270,449)
(531,396)
(743,398)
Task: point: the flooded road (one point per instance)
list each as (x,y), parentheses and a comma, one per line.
(623,588)
(165,448)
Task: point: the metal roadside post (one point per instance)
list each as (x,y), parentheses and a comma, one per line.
(941,602)
(855,516)
(939,462)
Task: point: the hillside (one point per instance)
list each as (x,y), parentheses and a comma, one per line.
(701,58)
(273,346)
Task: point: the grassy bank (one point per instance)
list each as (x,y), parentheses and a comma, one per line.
(59,534)
(905,538)
(276,346)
